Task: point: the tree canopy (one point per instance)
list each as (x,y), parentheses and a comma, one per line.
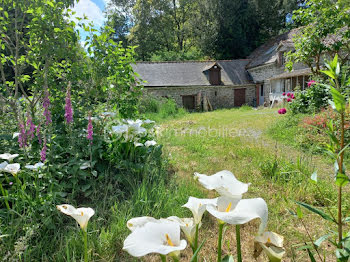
(324,33)
(198,29)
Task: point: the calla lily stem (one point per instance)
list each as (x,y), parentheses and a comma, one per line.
(238,240)
(195,247)
(85,246)
(163,257)
(221,227)
(5,197)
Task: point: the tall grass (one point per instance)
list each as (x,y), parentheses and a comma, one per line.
(159,108)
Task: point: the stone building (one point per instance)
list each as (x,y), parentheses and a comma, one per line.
(267,69)
(197,85)
(258,80)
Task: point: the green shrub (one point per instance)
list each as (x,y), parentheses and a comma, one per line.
(311,100)
(159,108)
(150,104)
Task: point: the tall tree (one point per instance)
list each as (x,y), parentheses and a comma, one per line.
(324,34)
(220,29)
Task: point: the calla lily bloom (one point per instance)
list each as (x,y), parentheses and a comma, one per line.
(187,226)
(133,122)
(8,157)
(120,129)
(162,238)
(3,165)
(198,207)
(12,168)
(224,182)
(147,121)
(137,144)
(138,222)
(237,212)
(16,134)
(81,215)
(36,166)
(272,244)
(108,114)
(150,143)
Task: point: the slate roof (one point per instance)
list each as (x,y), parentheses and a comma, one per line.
(191,73)
(267,53)
(300,72)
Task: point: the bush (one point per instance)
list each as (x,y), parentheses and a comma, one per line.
(159,108)
(75,171)
(310,100)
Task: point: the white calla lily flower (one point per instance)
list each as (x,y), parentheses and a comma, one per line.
(272,244)
(16,134)
(3,165)
(198,207)
(138,222)
(224,182)
(120,129)
(161,237)
(36,166)
(137,144)
(108,114)
(150,143)
(187,226)
(81,215)
(12,168)
(8,157)
(237,212)
(148,121)
(137,129)
(133,122)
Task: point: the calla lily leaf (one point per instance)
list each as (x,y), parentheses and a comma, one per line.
(197,251)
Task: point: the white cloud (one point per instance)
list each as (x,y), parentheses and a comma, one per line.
(91,10)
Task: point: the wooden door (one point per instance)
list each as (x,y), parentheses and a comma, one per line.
(239,97)
(188,102)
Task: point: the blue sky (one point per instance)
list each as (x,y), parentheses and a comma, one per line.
(93,9)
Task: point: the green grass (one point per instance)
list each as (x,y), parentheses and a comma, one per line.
(160,109)
(241,140)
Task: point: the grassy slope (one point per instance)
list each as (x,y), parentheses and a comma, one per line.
(236,140)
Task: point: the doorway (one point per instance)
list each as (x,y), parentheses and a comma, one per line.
(261,95)
(239,97)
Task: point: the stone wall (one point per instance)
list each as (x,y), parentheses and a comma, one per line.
(260,74)
(219,96)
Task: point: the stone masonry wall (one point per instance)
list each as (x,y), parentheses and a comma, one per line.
(219,96)
(264,72)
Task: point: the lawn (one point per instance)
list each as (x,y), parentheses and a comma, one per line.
(238,140)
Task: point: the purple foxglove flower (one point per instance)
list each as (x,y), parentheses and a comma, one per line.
(38,134)
(43,151)
(46,106)
(68,108)
(31,127)
(22,137)
(90,130)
